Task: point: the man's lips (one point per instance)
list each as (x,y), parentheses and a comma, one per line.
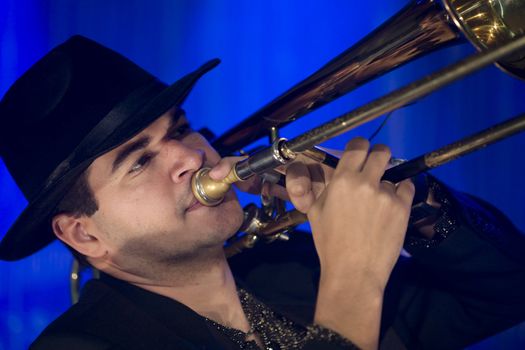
(195,204)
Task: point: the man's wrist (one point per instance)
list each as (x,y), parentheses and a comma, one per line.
(352,310)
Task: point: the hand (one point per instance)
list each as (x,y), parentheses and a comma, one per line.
(358,224)
(220,170)
(358,213)
(305,181)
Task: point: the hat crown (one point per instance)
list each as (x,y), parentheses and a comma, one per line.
(57,102)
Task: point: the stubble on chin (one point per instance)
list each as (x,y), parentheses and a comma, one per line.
(153,256)
(147,254)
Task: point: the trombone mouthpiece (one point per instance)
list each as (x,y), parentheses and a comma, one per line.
(211,192)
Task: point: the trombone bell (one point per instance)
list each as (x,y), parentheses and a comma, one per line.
(489,23)
(495,27)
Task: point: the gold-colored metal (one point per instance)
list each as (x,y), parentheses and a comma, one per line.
(236,247)
(421,27)
(257,227)
(289,220)
(402,96)
(486,23)
(253,221)
(489,23)
(315,154)
(274,134)
(210,192)
(286,153)
(271,229)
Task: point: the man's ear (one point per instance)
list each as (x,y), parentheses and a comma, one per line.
(72,230)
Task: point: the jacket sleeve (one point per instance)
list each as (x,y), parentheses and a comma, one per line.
(465,285)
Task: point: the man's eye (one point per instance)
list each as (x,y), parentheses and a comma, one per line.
(180,131)
(140,164)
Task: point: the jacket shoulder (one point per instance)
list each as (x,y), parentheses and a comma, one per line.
(67,341)
(105,319)
(69,330)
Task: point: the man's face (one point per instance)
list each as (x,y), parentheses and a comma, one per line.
(147,211)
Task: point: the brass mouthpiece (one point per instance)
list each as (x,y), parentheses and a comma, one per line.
(211,192)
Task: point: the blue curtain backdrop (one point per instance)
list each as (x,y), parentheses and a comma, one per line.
(266,47)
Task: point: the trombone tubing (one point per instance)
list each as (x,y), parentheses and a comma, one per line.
(444,154)
(455,150)
(285,151)
(419,164)
(401,97)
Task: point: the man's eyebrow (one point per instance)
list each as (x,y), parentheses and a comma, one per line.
(143,142)
(125,152)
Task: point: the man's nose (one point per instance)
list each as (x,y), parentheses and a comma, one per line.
(185,160)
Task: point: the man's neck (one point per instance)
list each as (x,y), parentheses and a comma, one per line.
(206,286)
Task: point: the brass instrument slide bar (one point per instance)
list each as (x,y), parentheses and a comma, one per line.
(283,151)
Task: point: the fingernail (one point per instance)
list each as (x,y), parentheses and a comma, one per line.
(297,190)
(214,173)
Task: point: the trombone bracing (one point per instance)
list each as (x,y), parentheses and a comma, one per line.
(495,27)
(282,151)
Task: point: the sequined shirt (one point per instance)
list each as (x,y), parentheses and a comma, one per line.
(275,331)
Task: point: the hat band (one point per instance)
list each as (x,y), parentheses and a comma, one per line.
(116,117)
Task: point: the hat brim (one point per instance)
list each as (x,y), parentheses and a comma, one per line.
(32,229)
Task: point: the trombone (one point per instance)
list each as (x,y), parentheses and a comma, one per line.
(423,26)
(493,26)
(420,28)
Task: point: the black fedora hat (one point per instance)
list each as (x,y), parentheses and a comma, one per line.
(76,103)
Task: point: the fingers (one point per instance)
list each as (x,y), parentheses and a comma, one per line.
(388,186)
(305,182)
(371,164)
(354,156)
(223,167)
(377,162)
(299,186)
(358,158)
(405,191)
(278,191)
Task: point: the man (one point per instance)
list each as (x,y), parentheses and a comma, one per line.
(106,164)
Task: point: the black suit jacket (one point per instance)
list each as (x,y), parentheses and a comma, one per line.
(468,287)
(113,314)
